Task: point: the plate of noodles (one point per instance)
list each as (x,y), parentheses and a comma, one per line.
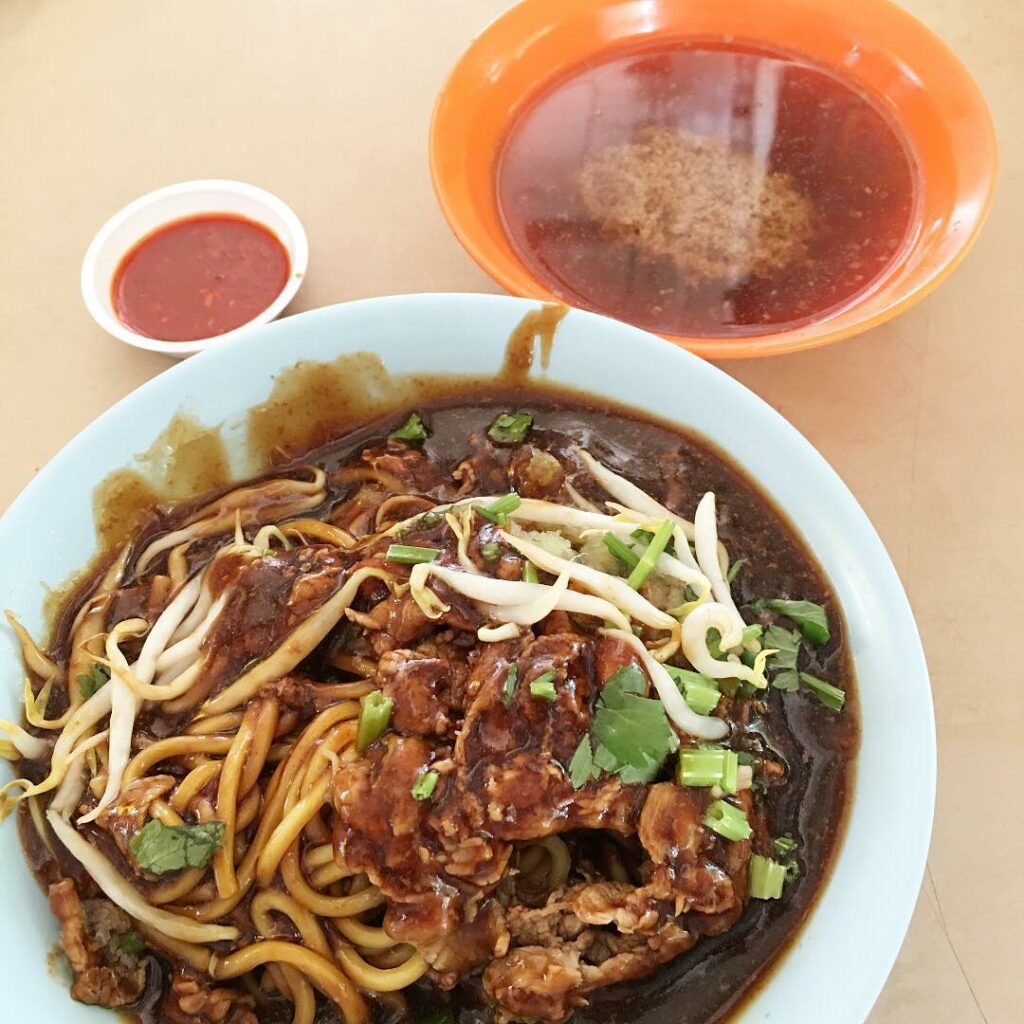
(463,690)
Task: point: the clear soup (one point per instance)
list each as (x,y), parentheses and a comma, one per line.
(706,189)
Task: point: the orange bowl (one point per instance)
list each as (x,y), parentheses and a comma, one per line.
(873,43)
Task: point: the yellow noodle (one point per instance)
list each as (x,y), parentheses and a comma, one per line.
(379,979)
(248,812)
(328,874)
(227,806)
(173,746)
(318,857)
(390,958)
(327,694)
(354,663)
(366,936)
(204,726)
(288,831)
(320,971)
(308,926)
(318,903)
(192,954)
(197,779)
(294,987)
(317,529)
(264,727)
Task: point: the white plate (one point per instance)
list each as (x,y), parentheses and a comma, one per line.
(841,959)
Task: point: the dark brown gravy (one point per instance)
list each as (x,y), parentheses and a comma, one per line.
(319,405)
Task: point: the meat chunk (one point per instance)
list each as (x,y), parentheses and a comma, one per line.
(123,818)
(190,1000)
(535,473)
(409,847)
(626,907)
(453,951)
(670,824)
(516,755)
(611,959)
(104,974)
(536,983)
(419,687)
(567,949)
(679,846)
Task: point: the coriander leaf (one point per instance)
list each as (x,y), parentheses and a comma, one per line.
(787,680)
(411,430)
(160,848)
(629,679)
(131,942)
(91,681)
(785,643)
(633,730)
(582,768)
(808,616)
(510,428)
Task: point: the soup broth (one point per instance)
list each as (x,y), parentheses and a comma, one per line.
(706,189)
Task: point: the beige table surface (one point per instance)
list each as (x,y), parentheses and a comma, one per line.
(327,102)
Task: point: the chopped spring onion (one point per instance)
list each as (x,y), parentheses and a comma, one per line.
(508,691)
(498,512)
(622,551)
(708,768)
(727,820)
(701,693)
(544,686)
(734,569)
(582,768)
(808,616)
(766,878)
(829,695)
(374,719)
(530,573)
(89,682)
(132,943)
(651,554)
(784,845)
(786,644)
(424,786)
(490,551)
(408,554)
(411,430)
(160,848)
(429,519)
(510,428)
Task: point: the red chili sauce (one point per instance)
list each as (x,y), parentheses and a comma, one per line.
(199,277)
(706,189)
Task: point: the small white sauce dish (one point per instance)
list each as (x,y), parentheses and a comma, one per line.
(140,218)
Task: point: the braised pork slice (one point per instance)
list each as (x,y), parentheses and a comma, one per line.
(514,757)
(421,690)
